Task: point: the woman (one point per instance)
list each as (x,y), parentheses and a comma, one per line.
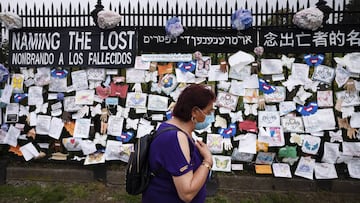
(181,165)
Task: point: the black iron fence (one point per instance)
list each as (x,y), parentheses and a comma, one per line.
(194,14)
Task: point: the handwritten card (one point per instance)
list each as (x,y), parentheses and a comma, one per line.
(323,119)
(58,84)
(353,167)
(271,66)
(324,74)
(214,142)
(115,125)
(135,76)
(157,103)
(215,74)
(79,80)
(292,124)
(269,118)
(42,76)
(136,100)
(70,105)
(56,126)
(72,144)
(186,77)
(300,72)
(87,147)
(325,98)
(227,100)
(325,171)
(6,94)
(281,170)
(140,64)
(96,74)
(29,151)
(35,95)
(348,98)
(12,136)
(305,168)
(84,97)
(113,150)
(82,128)
(43,123)
(342,76)
(286,107)
(240,73)
(237,88)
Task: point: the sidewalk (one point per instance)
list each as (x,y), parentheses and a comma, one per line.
(225,181)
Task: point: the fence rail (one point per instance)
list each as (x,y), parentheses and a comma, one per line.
(215,15)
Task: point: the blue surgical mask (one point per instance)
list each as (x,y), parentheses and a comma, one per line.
(208,120)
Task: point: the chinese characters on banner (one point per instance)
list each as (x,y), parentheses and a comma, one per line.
(329,39)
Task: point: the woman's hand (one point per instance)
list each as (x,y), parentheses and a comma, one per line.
(204,151)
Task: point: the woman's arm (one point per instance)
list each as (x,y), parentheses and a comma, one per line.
(189,184)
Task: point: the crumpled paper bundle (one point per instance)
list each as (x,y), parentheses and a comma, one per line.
(309,19)
(108,19)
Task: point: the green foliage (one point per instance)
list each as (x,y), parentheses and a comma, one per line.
(4,53)
(217,199)
(280,17)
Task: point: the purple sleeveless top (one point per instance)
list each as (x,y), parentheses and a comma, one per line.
(167,160)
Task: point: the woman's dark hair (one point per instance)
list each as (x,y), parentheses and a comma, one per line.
(195,95)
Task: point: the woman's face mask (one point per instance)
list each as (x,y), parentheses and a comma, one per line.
(208,120)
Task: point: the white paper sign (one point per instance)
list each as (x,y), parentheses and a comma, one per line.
(29,151)
(82,128)
(12,136)
(79,80)
(115,125)
(43,124)
(56,127)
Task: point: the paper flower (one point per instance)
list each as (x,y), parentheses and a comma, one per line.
(108,19)
(174,27)
(241,19)
(259,51)
(11,20)
(241,59)
(309,19)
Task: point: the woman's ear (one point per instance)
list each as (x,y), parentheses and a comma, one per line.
(195,113)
